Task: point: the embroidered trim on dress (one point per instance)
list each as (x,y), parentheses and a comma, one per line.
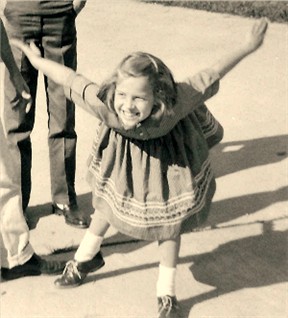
(210,125)
(153,213)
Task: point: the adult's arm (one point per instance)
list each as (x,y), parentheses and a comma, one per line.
(78,5)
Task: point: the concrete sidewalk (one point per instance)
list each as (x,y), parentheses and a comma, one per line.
(236,265)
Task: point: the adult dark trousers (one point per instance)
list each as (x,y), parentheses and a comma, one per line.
(56,36)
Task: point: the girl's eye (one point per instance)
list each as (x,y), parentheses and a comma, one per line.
(140,99)
(120,94)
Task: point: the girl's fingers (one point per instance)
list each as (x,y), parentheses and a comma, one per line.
(264,25)
(18,44)
(260,26)
(28,107)
(34,48)
(25,95)
(22,46)
(27,49)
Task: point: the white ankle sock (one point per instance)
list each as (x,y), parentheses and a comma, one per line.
(166,281)
(89,247)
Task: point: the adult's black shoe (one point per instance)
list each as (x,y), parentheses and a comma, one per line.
(73,215)
(33,267)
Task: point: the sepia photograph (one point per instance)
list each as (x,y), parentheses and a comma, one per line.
(143,159)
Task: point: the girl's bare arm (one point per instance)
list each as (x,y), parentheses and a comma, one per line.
(252,42)
(57,72)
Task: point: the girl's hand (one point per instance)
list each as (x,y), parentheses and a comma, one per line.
(22,100)
(23,97)
(53,70)
(30,50)
(256,36)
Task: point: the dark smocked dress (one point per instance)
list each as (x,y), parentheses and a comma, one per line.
(155,181)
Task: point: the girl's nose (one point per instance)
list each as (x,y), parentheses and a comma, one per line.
(129,103)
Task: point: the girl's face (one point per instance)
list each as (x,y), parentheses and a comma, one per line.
(133,100)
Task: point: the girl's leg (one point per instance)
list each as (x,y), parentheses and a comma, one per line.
(169,252)
(98,225)
(92,240)
(88,257)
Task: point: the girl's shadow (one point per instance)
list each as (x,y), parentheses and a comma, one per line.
(250,262)
(244,154)
(230,209)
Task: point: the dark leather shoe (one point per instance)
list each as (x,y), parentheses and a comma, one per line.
(33,267)
(168,307)
(72,214)
(75,272)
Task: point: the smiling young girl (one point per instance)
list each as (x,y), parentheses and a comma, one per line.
(149,168)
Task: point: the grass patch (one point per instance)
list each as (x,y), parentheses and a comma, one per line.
(275,11)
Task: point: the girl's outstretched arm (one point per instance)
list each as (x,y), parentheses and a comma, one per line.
(77,88)
(57,72)
(252,42)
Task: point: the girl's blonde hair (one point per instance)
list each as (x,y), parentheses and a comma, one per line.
(143,64)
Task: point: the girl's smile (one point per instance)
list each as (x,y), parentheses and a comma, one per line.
(134,100)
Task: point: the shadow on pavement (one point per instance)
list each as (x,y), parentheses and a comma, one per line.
(121,248)
(254,261)
(229,209)
(35,213)
(244,154)
(250,262)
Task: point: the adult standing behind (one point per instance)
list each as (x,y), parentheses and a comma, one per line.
(16,253)
(50,24)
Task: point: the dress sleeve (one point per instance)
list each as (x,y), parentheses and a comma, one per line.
(84,93)
(194,91)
